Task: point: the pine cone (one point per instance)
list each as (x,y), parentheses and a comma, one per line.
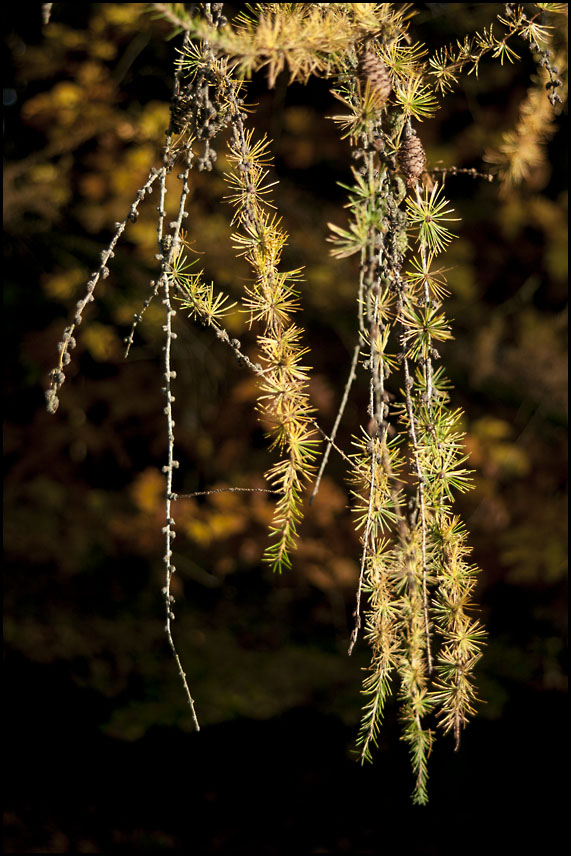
(180,112)
(411,158)
(373,71)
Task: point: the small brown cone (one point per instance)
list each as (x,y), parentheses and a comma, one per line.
(180,112)
(374,72)
(411,158)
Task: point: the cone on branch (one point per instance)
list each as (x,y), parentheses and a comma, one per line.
(411,158)
(181,107)
(373,71)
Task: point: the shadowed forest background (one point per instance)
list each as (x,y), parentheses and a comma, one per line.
(100,750)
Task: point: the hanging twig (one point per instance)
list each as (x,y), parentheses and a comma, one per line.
(331,439)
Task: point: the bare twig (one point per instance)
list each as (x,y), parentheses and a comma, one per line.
(455,170)
(175,496)
(57,375)
(331,439)
(168,529)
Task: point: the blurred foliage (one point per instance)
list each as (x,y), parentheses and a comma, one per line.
(86,107)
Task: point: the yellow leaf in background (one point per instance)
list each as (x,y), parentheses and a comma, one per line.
(134,167)
(102,342)
(153,317)
(65,37)
(154,120)
(148,490)
(489,428)
(104,50)
(121,14)
(489,443)
(235,321)
(92,74)
(143,234)
(227,499)
(61,286)
(66,94)
(139,158)
(510,459)
(198,531)
(224,566)
(512,217)
(43,173)
(225,525)
(298,120)
(216,527)
(94,186)
(36,106)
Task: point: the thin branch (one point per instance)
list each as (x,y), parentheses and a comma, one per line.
(168,529)
(172,464)
(357,611)
(57,375)
(331,443)
(331,439)
(138,317)
(175,496)
(454,170)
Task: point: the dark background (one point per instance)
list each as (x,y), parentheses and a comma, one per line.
(100,753)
